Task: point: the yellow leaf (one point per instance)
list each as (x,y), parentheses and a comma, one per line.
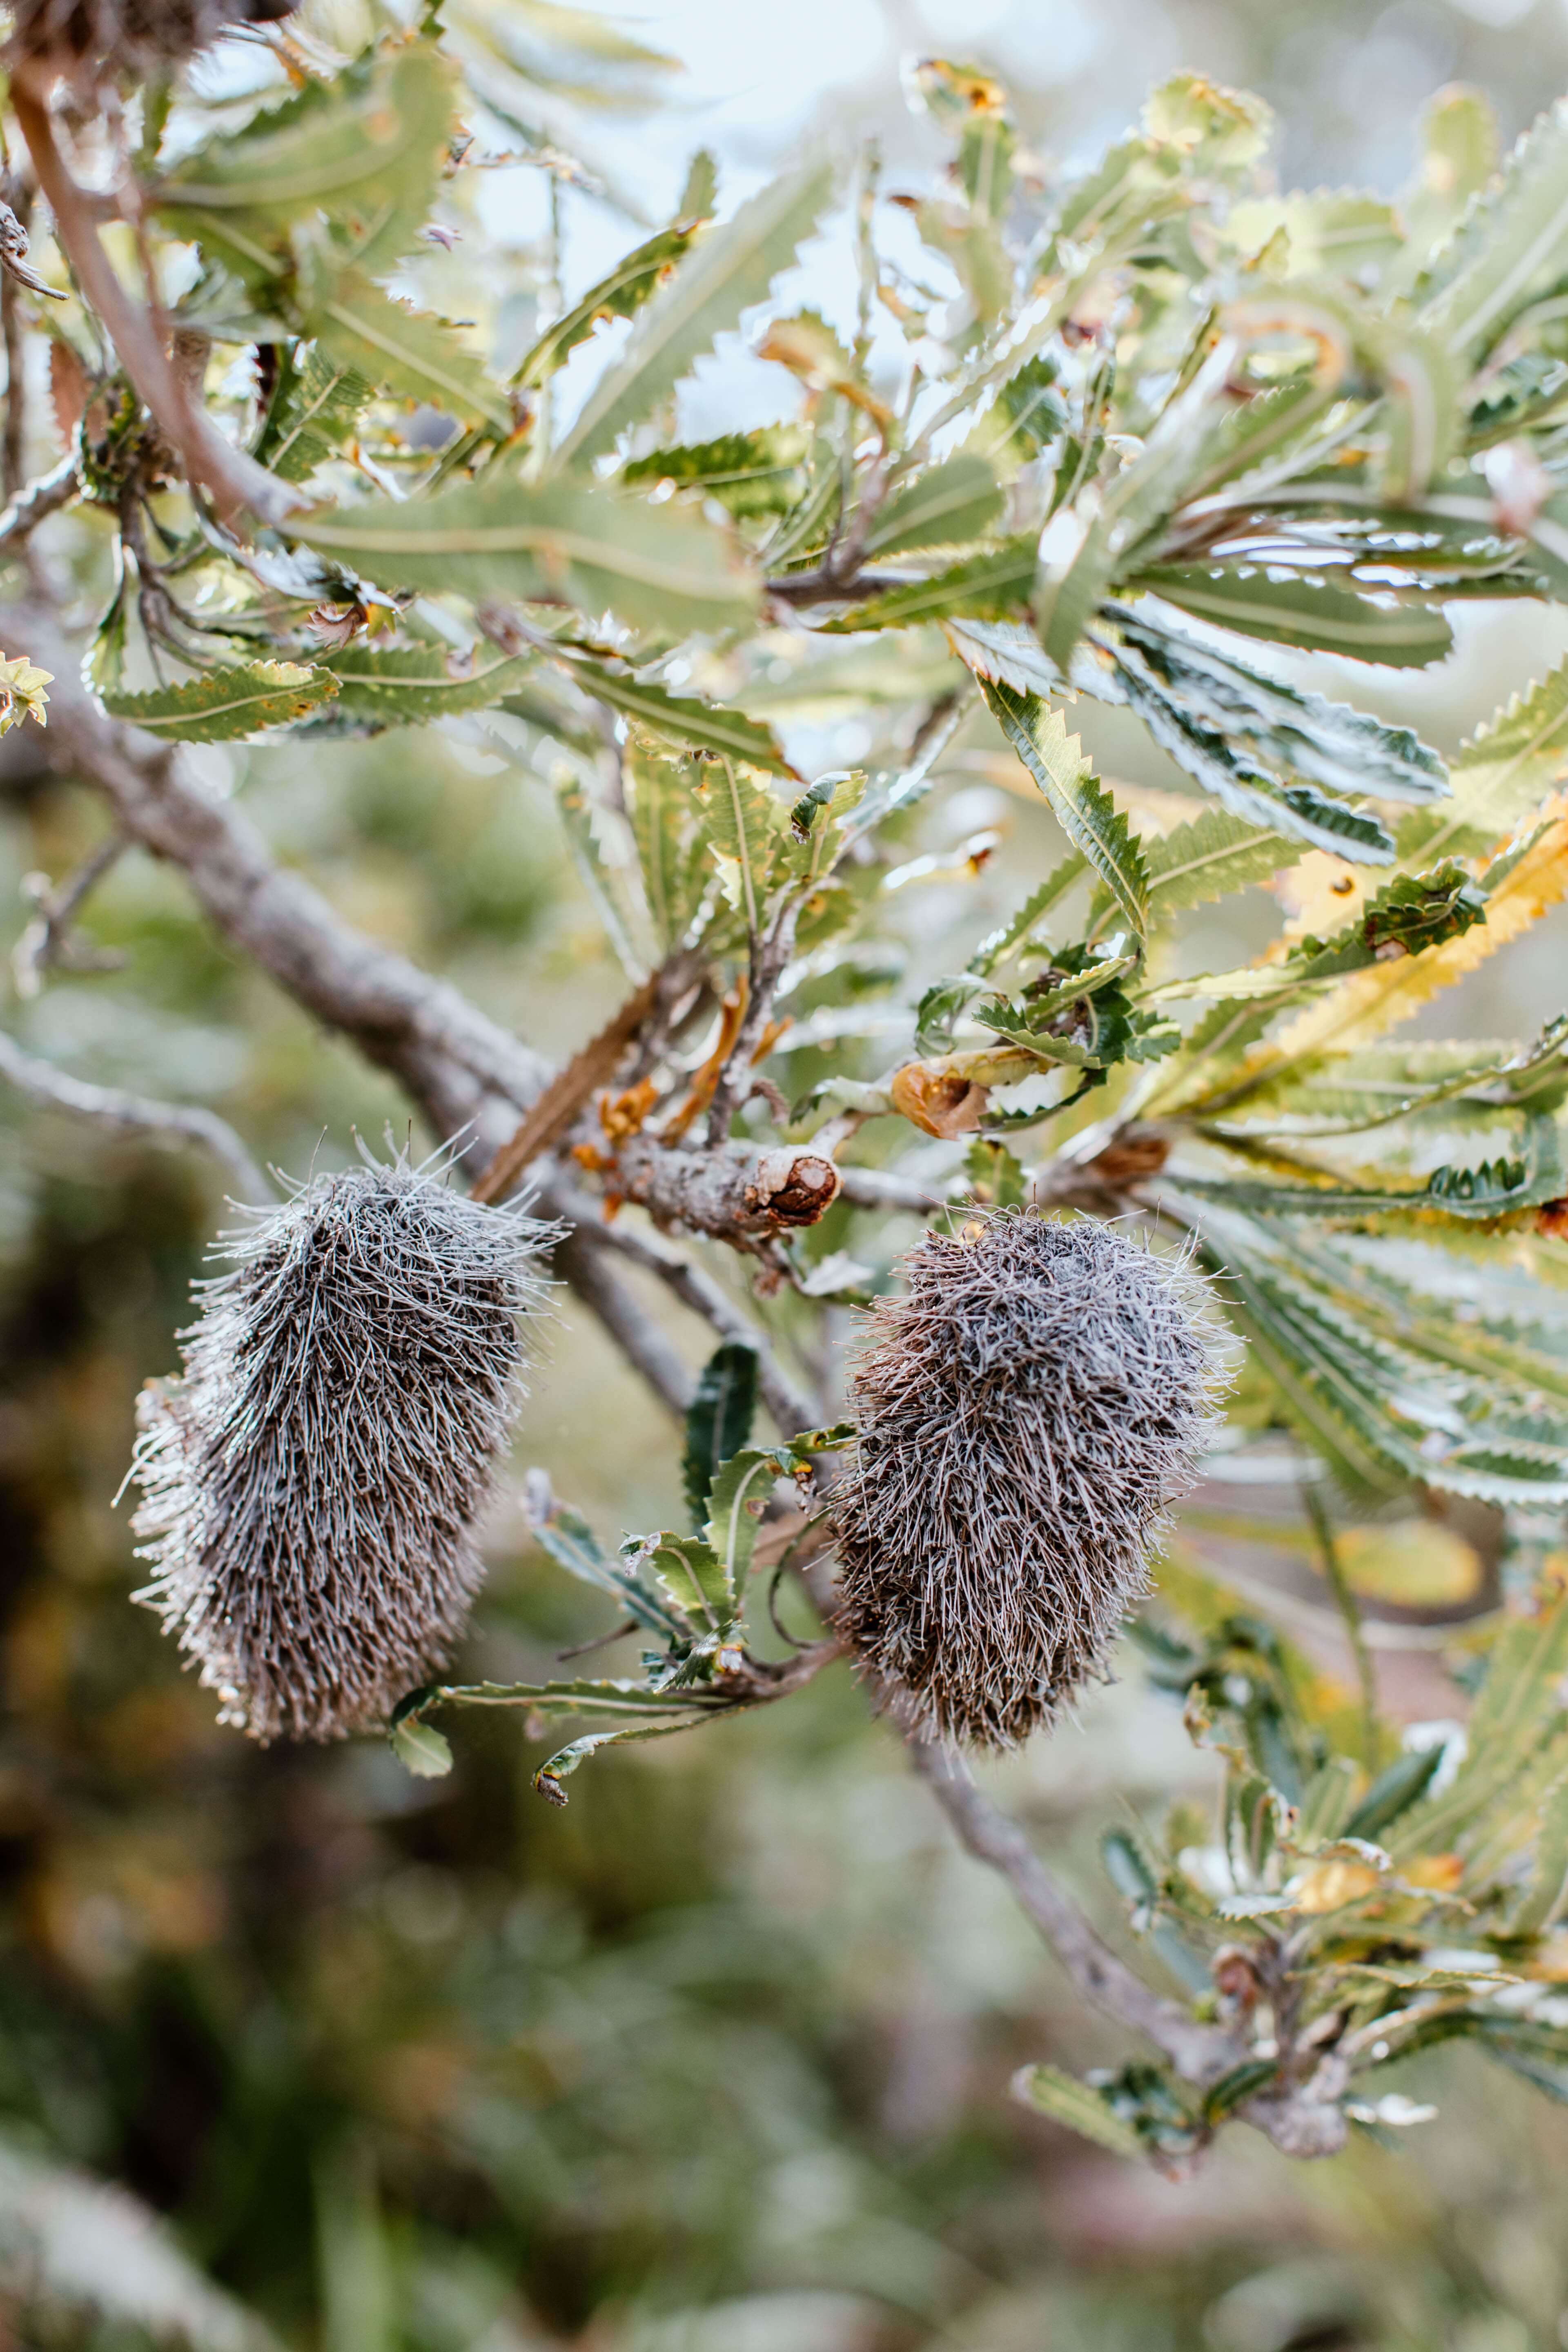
(1440,1873)
(1333,1885)
(1367,1003)
(1417,1564)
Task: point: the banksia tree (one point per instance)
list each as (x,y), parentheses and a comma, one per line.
(96,42)
(1165,418)
(310,1488)
(1026,1410)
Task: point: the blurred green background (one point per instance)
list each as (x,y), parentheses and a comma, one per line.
(716,2060)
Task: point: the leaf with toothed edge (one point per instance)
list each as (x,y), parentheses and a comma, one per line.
(1087,815)
(223,706)
(718,1419)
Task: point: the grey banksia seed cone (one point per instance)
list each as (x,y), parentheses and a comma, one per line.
(106,41)
(1027,1411)
(310,1486)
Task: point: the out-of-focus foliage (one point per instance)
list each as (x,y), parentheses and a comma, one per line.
(719,2056)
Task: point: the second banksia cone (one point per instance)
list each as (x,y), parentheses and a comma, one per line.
(310,1488)
(1027,1411)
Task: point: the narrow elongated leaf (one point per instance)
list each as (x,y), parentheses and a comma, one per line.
(718,1419)
(621,294)
(570,1542)
(676,868)
(227,705)
(1510,250)
(1088,816)
(360,328)
(733,267)
(1078,2107)
(1544,1897)
(1208,859)
(410,687)
(564,1762)
(1501,774)
(1301,609)
(949,505)
(752,474)
(689,725)
(1236,780)
(982,588)
(1293,733)
(658,566)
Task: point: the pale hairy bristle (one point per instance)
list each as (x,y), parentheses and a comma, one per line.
(310,1486)
(1027,1411)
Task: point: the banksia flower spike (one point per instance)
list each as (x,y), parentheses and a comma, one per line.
(103,41)
(310,1486)
(1027,1411)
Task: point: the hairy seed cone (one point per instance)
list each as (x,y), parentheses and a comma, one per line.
(1027,1412)
(103,41)
(309,1487)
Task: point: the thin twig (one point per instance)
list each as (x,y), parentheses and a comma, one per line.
(632,1328)
(791,1409)
(129,1114)
(1197,2052)
(13,446)
(48,937)
(41,498)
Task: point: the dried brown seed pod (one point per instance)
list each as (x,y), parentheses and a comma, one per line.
(95,42)
(1027,1413)
(310,1486)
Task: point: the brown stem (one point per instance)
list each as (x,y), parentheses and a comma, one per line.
(735,1194)
(1198,2052)
(40,500)
(233,479)
(13,447)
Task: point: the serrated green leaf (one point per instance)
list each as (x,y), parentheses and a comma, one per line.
(689,725)
(948,506)
(675,869)
(1236,780)
(751,474)
(359,327)
(1511,250)
(1501,774)
(365,149)
(1088,815)
(1211,857)
(697,1580)
(1294,733)
(410,687)
(657,566)
(741,1487)
(733,267)
(620,294)
(1301,609)
(983,587)
(225,704)
(743,822)
(718,1419)
(311,413)
(1078,2109)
